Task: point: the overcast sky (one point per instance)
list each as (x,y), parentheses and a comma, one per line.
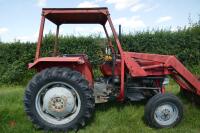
(20,19)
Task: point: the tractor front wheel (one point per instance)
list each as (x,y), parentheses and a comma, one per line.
(163,111)
(59,99)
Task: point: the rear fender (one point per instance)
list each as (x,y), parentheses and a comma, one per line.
(79,64)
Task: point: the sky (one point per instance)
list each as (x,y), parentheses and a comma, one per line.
(20,19)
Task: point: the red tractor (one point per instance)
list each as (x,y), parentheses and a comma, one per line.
(62,95)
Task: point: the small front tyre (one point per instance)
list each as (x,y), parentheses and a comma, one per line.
(163,111)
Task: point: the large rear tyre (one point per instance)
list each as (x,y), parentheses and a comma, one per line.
(163,111)
(59,99)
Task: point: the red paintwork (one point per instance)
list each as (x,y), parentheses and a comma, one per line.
(76,15)
(106,68)
(137,64)
(79,63)
(37,55)
(167,65)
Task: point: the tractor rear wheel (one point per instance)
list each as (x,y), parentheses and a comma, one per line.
(163,111)
(59,99)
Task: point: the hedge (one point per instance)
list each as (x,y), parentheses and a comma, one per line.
(184,43)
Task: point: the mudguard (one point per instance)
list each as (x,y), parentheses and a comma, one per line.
(79,63)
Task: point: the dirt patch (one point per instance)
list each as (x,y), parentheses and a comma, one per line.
(12,123)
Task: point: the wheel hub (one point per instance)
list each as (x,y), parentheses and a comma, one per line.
(59,102)
(166,114)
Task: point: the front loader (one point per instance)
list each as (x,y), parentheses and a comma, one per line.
(62,95)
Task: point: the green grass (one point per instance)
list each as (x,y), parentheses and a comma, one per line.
(109,118)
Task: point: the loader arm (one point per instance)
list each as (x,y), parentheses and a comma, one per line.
(155,64)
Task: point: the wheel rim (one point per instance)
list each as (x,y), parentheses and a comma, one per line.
(58,103)
(166,114)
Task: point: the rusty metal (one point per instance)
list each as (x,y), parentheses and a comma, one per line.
(109,41)
(37,55)
(55,52)
(76,15)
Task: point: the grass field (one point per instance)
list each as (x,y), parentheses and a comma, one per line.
(109,118)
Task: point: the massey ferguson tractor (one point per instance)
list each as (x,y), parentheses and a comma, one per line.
(62,95)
